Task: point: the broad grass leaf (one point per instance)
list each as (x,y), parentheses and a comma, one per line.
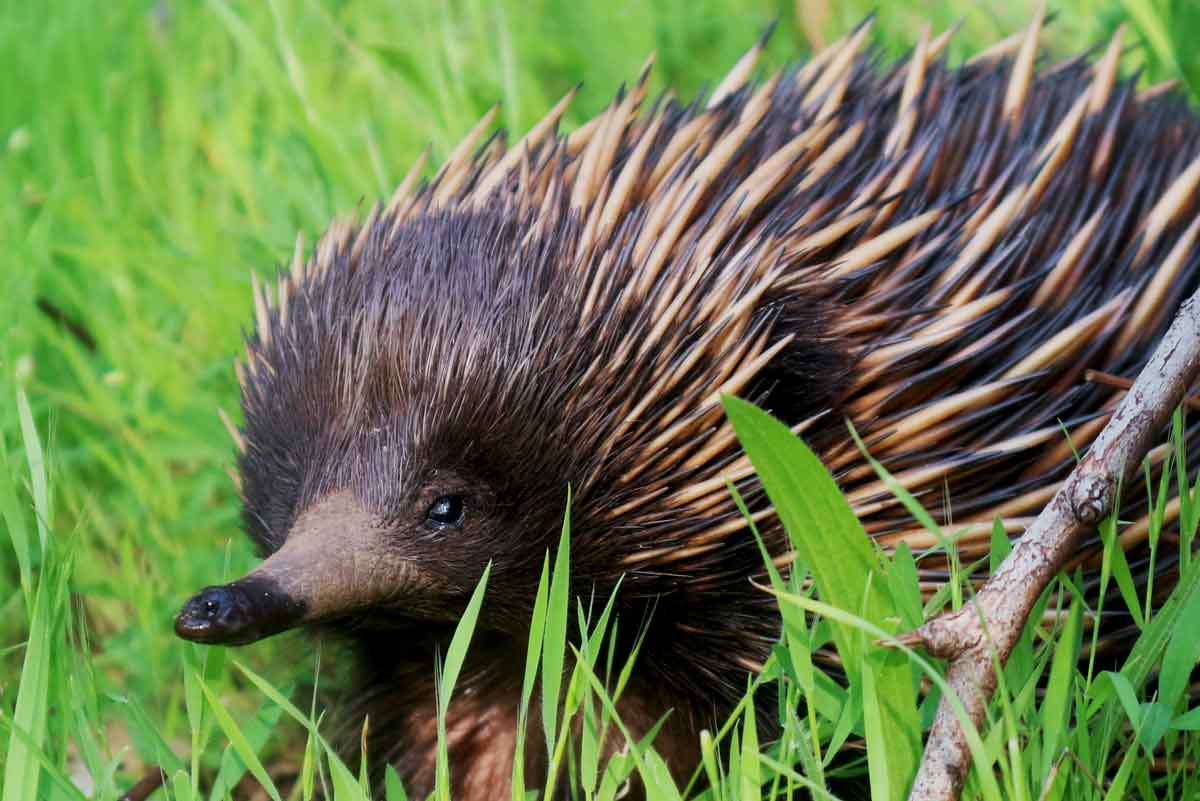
(832,543)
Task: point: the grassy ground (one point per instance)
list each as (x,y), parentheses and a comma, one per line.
(151,155)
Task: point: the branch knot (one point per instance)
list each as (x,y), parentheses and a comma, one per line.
(1091,498)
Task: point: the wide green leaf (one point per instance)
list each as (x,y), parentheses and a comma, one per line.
(829,539)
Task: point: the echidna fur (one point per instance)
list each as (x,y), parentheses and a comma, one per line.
(937,254)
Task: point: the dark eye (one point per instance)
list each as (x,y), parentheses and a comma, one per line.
(446,512)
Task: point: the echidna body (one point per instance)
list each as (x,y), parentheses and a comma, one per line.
(936,254)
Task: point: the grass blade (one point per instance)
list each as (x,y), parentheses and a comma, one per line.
(21,768)
(37,468)
(14,521)
(533,653)
(876,735)
(237,739)
(555,642)
(1060,685)
(456,654)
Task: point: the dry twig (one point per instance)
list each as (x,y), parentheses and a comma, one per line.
(146,787)
(988,627)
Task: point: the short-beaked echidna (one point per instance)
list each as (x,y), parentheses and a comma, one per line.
(938,254)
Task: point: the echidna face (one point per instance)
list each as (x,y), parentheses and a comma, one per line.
(415,560)
(395,441)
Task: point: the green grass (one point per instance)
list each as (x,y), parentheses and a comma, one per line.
(152,154)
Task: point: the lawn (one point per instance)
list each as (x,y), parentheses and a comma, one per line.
(152,155)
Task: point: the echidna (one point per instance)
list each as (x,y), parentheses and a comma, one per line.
(938,254)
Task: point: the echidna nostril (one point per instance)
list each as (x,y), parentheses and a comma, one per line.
(216,600)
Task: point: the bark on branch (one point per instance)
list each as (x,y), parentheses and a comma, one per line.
(1002,606)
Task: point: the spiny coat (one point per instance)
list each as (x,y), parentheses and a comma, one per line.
(938,254)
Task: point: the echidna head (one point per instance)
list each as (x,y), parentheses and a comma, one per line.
(404,425)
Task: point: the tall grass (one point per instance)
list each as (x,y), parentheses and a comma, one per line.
(152,153)
(1058,730)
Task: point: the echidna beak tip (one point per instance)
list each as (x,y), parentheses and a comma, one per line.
(237,614)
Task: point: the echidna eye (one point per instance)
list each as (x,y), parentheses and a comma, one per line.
(446,512)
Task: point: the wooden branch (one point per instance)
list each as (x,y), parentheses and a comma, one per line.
(1110,380)
(988,627)
(146,787)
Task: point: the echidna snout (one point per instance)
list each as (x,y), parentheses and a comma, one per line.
(337,560)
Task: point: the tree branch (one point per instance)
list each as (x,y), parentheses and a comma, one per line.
(1002,606)
(146,787)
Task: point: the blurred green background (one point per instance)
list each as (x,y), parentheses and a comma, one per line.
(154,152)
